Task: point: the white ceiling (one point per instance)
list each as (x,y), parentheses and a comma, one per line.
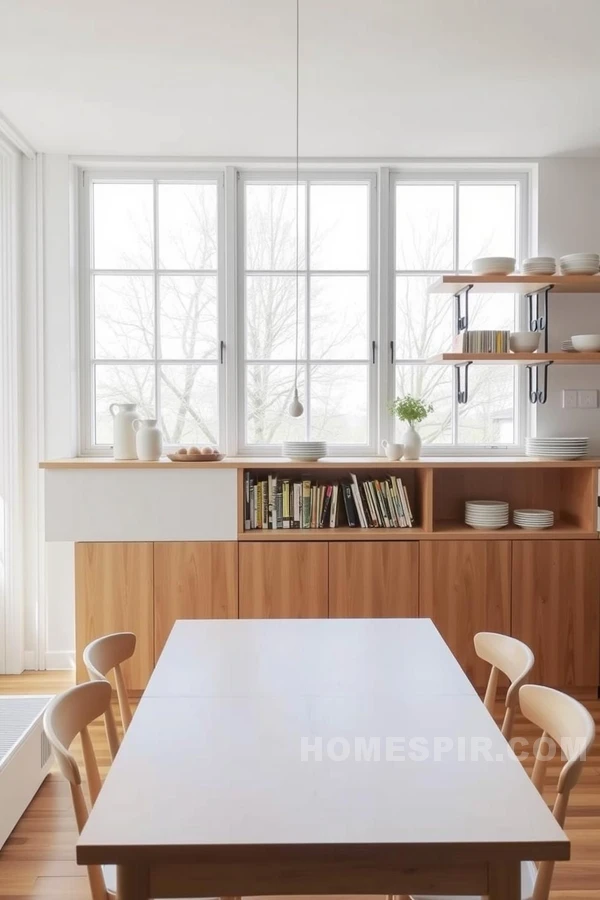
(378,77)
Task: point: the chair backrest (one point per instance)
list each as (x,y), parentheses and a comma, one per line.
(569,725)
(101,657)
(511,657)
(66,716)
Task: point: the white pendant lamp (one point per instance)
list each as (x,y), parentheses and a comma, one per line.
(295,409)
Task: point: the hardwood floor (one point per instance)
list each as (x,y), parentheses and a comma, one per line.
(38,859)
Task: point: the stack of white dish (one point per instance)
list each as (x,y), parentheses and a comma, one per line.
(494,265)
(533,519)
(567,346)
(486,513)
(557,447)
(539,265)
(580,264)
(586,343)
(304,450)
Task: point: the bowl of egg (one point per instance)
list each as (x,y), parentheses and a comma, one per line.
(196,455)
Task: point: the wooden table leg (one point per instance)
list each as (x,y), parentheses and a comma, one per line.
(505,881)
(133,883)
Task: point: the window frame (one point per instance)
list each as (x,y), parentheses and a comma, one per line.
(87,360)
(287,175)
(475,174)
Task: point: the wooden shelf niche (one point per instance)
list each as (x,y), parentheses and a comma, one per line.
(571,493)
(416,480)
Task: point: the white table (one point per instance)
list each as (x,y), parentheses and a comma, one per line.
(241,773)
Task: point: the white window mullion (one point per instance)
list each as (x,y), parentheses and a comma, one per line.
(156,288)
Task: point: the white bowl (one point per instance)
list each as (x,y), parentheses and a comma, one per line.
(586,342)
(494,265)
(524,341)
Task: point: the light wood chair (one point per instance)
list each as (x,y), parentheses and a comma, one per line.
(102,656)
(515,660)
(569,725)
(66,716)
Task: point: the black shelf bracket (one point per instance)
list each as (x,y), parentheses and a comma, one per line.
(462,383)
(462,318)
(538,312)
(538,385)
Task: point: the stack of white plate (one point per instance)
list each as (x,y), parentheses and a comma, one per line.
(557,447)
(580,264)
(304,450)
(539,265)
(486,513)
(494,265)
(533,519)
(567,346)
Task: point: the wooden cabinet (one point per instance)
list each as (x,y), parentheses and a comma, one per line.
(465,587)
(555,603)
(114,592)
(373,578)
(193,580)
(281,580)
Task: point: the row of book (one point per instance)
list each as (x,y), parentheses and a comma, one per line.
(273,502)
(482,342)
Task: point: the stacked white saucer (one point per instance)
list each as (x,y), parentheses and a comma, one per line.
(539,265)
(486,514)
(557,447)
(567,346)
(533,519)
(580,264)
(308,451)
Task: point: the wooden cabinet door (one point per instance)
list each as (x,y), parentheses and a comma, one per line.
(283,580)
(555,609)
(193,580)
(373,578)
(465,588)
(114,592)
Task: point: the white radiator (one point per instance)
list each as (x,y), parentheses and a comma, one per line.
(25,756)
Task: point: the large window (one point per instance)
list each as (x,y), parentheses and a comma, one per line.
(336,309)
(188,304)
(441,225)
(153,287)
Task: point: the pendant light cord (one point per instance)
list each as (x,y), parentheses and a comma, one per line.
(297,189)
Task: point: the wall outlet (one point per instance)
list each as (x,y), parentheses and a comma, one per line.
(587,399)
(569,399)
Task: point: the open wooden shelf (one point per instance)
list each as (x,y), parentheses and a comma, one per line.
(342,533)
(516,284)
(456,530)
(565,359)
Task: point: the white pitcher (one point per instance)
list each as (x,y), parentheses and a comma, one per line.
(148,439)
(124,415)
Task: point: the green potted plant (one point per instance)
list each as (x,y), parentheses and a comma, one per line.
(412,410)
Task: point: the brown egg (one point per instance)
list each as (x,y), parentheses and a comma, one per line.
(194,450)
(182,451)
(207,451)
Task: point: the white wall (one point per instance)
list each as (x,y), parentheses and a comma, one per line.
(569,220)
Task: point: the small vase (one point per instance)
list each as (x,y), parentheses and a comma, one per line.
(148,440)
(412,443)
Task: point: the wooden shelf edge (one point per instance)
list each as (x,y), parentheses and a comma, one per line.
(516,283)
(515,359)
(560,531)
(333,534)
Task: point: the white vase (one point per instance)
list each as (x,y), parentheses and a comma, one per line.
(124,415)
(148,439)
(412,443)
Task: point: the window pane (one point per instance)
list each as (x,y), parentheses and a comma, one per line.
(339,226)
(189,399)
(123,226)
(489,415)
(424,322)
(271,226)
(187,226)
(121,384)
(338,406)
(271,316)
(487,221)
(189,326)
(432,384)
(269,390)
(492,311)
(124,316)
(424,227)
(339,317)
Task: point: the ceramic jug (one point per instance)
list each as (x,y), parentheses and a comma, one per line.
(148,439)
(124,415)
